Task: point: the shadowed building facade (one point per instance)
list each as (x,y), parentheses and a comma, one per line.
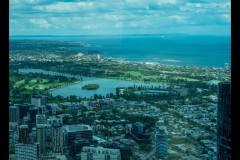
(24,134)
(77,132)
(41,138)
(57,138)
(224,121)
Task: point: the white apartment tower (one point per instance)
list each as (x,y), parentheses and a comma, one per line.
(100,153)
(27,151)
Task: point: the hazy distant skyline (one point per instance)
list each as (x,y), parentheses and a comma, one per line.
(112,17)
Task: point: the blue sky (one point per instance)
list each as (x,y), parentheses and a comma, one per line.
(103,17)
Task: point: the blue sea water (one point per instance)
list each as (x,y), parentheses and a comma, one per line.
(184,50)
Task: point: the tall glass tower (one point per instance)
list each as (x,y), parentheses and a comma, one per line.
(161,138)
(224,121)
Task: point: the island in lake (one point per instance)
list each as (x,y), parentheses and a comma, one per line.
(90,87)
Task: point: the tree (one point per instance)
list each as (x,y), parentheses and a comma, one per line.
(103,115)
(114,110)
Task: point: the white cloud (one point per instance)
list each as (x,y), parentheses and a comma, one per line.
(102,16)
(160,2)
(41,23)
(119,24)
(66,7)
(226,17)
(13,2)
(178,18)
(90,26)
(112,17)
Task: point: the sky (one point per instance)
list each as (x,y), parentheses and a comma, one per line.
(114,17)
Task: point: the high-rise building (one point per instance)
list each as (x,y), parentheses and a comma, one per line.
(224,121)
(54,119)
(13,114)
(26,120)
(33,111)
(48,133)
(77,132)
(38,100)
(27,151)
(52,107)
(24,109)
(12,137)
(41,138)
(41,119)
(24,134)
(138,133)
(33,135)
(97,153)
(42,109)
(226,66)
(57,138)
(138,128)
(79,144)
(161,138)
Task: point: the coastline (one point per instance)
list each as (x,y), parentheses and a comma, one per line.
(121,61)
(63,86)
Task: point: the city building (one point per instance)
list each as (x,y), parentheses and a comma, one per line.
(226,66)
(79,144)
(13,126)
(224,121)
(33,112)
(42,109)
(161,139)
(53,108)
(54,157)
(100,153)
(27,151)
(138,128)
(57,138)
(54,119)
(138,133)
(41,119)
(77,132)
(48,134)
(24,109)
(41,138)
(12,138)
(38,100)
(33,135)
(24,134)
(98,56)
(13,114)
(26,120)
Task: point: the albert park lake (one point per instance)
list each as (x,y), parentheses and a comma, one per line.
(106,86)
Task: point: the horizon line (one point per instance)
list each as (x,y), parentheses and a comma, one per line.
(59,35)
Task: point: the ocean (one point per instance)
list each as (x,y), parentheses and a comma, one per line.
(182,50)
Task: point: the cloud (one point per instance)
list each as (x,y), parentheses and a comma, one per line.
(41,23)
(180,19)
(109,16)
(160,2)
(66,7)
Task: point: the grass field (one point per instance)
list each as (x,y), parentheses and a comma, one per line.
(185,78)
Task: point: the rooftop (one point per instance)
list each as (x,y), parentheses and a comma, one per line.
(23,126)
(77,128)
(139,124)
(56,125)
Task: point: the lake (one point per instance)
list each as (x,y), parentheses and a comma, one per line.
(106,86)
